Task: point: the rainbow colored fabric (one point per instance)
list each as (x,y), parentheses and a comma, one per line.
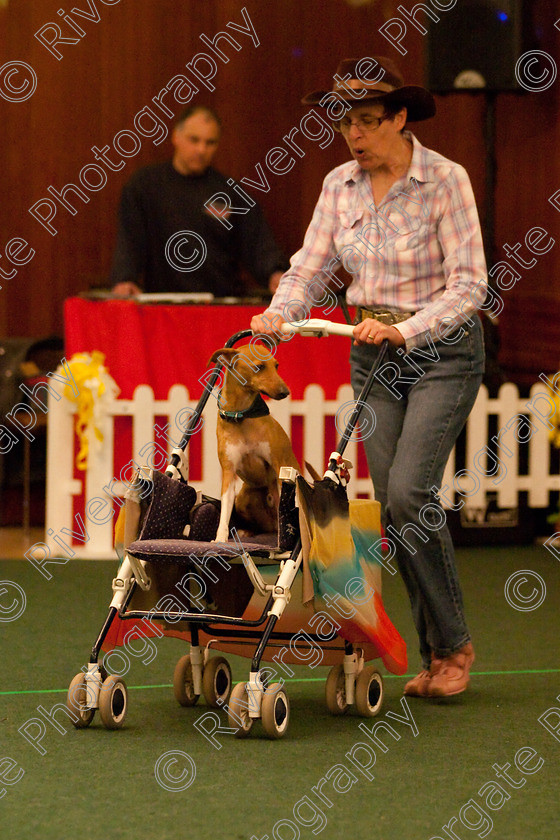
(343,553)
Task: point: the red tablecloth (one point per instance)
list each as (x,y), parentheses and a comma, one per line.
(162,345)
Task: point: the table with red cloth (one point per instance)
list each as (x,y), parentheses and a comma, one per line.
(161,345)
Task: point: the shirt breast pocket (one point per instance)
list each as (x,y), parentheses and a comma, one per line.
(408,233)
(350,223)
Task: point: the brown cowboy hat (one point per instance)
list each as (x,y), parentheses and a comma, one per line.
(376,78)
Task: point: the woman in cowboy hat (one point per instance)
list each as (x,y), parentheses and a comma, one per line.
(402,220)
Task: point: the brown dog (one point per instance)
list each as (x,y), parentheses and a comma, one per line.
(252,446)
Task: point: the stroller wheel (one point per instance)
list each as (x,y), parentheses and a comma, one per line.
(238,711)
(335,691)
(113,702)
(76,702)
(369,692)
(275,711)
(183,685)
(216,681)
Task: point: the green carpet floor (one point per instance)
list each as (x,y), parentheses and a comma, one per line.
(100,785)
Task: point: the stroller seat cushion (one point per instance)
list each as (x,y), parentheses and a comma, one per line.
(204,520)
(169,508)
(181,550)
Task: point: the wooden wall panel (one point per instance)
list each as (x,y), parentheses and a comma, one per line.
(136,48)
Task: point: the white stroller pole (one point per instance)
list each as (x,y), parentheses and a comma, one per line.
(317,327)
(351,683)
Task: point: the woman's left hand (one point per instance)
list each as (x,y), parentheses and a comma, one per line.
(370,331)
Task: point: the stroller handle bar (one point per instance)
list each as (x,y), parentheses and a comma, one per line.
(317,327)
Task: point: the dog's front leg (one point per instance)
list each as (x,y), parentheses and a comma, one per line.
(229,486)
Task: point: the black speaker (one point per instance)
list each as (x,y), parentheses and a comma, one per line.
(477,44)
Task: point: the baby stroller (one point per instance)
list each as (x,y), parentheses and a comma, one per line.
(310,593)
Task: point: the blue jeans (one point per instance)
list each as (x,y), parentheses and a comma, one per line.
(421,404)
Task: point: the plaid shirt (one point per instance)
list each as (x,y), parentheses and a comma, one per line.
(419,251)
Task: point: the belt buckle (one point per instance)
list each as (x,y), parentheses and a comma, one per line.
(381,315)
(387,318)
(384,316)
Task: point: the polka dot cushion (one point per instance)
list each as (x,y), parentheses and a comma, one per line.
(169,508)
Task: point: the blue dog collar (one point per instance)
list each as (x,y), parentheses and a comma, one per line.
(257,409)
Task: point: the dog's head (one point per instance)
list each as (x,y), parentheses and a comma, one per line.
(253,368)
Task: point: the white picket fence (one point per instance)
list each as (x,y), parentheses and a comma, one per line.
(98,485)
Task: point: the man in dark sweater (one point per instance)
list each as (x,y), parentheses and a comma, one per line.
(169,242)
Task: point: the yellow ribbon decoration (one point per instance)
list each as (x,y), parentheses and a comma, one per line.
(554,434)
(92,381)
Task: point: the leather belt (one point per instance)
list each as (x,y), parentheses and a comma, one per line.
(383,315)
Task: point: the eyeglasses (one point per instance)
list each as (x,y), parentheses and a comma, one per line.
(365,123)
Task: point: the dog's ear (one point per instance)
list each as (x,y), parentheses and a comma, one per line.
(225,352)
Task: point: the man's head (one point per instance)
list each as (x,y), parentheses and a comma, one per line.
(195,139)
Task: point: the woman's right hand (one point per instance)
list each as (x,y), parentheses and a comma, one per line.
(268,324)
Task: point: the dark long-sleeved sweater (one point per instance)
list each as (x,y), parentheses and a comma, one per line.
(158,202)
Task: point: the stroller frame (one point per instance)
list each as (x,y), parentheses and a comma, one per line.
(351,683)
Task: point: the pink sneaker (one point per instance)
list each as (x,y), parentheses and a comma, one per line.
(453,674)
(418,686)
